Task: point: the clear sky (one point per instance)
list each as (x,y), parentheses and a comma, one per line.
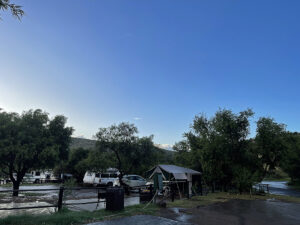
(154,63)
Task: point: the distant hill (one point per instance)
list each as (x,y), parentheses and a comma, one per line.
(82,143)
(166,156)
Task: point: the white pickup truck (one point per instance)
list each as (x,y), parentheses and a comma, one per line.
(108,178)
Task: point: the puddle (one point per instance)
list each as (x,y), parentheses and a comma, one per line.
(5,213)
(181,216)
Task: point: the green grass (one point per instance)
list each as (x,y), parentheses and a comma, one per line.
(67,217)
(224,196)
(277,179)
(33,194)
(295,184)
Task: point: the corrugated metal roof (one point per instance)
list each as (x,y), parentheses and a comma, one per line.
(178,169)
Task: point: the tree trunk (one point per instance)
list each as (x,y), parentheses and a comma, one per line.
(16,185)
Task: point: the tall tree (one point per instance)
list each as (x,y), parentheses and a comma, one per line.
(270,143)
(15,9)
(220,147)
(77,163)
(291,158)
(31,141)
(182,154)
(128,153)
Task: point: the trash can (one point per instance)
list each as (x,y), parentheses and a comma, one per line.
(114,198)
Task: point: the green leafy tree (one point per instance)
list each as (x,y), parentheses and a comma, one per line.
(182,154)
(270,143)
(31,141)
(15,9)
(291,159)
(219,147)
(126,151)
(77,163)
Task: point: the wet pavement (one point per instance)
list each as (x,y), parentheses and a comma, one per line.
(239,212)
(140,220)
(281,188)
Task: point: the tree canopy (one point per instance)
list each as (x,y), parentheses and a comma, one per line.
(15,9)
(124,150)
(31,141)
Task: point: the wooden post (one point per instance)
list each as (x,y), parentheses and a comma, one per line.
(188,189)
(60,198)
(151,189)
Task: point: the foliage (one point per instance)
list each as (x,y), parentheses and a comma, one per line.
(15,9)
(77,163)
(182,154)
(31,141)
(270,143)
(291,159)
(221,148)
(82,143)
(124,150)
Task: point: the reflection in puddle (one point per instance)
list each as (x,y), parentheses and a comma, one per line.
(181,216)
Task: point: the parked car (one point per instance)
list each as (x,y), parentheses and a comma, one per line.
(108,178)
(134,180)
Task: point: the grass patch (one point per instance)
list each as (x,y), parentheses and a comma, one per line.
(33,194)
(67,217)
(287,179)
(2,195)
(295,184)
(223,197)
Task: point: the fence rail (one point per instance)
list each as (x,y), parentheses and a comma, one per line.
(60,203)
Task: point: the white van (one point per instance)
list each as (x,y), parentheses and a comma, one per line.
(39,177)
(108,178)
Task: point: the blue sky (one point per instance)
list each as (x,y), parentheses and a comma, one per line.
(154,63)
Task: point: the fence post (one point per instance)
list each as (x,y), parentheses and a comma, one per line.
(188,189)
(60,198)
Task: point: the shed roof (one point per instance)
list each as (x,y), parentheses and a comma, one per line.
(178,169)
(178,172)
